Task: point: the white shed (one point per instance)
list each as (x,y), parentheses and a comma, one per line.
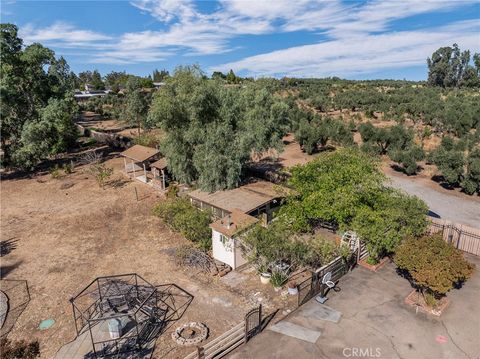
(226,242)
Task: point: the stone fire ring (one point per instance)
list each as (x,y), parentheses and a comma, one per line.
(200,333)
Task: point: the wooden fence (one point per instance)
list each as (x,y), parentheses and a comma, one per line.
(232,339)
(462,237)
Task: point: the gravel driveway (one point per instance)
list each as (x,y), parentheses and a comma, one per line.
(455,207)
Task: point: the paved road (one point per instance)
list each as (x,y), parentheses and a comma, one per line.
(454,207)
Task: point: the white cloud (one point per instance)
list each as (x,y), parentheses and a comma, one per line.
(352,42)
(360,54)
(61,33)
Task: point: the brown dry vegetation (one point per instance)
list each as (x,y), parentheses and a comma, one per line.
(70,231)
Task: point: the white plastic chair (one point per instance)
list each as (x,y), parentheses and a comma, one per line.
(326,280)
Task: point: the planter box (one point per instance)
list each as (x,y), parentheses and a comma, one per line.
(415,299)
(375,267)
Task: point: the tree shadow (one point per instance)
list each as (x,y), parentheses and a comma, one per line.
(18,296)
(398,168)
(433,214)
(7,246)
(443,183)
(5,270)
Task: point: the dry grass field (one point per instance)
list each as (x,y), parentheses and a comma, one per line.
(69,231)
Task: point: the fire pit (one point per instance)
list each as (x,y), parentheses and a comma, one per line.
(190,334)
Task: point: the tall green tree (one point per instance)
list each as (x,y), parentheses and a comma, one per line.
(160,76)
(29,78)
(450,67)
(346,187)
(212,131)
(136,104)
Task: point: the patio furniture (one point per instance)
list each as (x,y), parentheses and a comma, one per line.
(326,282)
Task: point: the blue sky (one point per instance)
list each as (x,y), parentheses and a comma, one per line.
(350,39)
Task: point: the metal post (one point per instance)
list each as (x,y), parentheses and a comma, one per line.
(358,250)
(200,353)
(450,238)
(163,179)
(74,316)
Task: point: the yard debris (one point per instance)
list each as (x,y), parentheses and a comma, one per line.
(193,257)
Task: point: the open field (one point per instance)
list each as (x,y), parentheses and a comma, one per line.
(69,231)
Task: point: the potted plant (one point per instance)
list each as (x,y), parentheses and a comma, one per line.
(277,279)
(292,288)
(265,276)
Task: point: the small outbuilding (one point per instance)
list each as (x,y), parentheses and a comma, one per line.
(226,237)
(138,159)
(159,172)
(257,199)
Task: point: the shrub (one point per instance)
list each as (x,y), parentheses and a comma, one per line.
(276,243)
(278,278)
(183,217)
(101,173)
(433,265)
(19,349)
(55,172)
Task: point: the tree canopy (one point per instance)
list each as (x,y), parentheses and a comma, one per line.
(37,106)
(450,67)
(346,187)
(212,130)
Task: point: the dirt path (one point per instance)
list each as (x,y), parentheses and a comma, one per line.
(448,204)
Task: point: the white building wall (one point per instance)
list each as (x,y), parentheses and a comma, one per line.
(223,253)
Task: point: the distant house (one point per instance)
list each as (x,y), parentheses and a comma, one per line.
(235,212)
(157,85)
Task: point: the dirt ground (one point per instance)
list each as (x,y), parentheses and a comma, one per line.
(68,231)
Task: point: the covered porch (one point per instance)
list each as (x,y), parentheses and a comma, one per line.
(137,160)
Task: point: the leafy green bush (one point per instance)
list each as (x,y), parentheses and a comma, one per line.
(278,278)
(433,265)
(346,187)
(183,217)
(276,243)
(408,158)
(101,173)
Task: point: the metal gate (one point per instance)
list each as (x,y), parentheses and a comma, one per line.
(253,322)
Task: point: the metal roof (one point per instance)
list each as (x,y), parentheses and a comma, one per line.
(233,223)
(160,164)
(245,198)
(140,153)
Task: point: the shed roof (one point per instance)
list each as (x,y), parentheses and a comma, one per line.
(245,198)
(233,223)
(160,164)
(140,153)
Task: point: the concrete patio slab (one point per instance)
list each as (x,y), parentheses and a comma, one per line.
(315,310)
(296,331)
(375,321)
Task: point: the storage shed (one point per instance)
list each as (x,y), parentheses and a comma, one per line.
(159,172)
(258,199)
(137,160)
(226,237)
